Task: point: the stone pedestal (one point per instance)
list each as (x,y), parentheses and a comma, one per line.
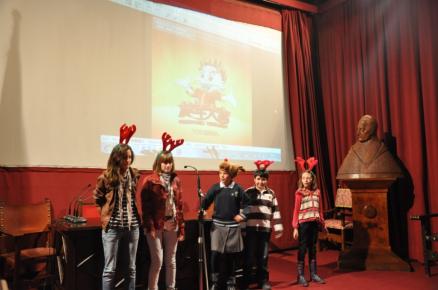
(371,248)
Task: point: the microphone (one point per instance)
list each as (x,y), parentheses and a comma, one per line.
(75,197)
(72,218)
(79,203)
(80,199)
(192,167)
(200,194)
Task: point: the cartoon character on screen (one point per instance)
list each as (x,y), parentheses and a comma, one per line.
(163,219)
(115,195)
(262,216)
(226,238)
(209,98)
(307,219)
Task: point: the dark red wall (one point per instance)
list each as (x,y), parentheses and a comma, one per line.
(61,185)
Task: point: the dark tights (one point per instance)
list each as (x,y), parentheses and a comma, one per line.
(307,236)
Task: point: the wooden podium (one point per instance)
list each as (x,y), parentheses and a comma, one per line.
(371,248)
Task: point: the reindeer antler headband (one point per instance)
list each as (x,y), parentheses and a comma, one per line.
(263,164)
(311,163)
(232,169)
(169,144)
(126,133)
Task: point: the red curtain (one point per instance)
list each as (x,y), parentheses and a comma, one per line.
(380,57)
(303,107)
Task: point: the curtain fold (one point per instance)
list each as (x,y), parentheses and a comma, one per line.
(380,57)
(303,105)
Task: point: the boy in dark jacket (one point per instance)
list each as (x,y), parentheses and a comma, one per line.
(226,238)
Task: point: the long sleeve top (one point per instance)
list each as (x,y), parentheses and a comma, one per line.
(227,201)
(261,210)
(153,200)
(308,207)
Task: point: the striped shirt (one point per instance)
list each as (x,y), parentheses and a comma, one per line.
(261,210)
(120,221)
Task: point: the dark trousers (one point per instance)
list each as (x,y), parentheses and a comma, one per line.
(223,268)
(256,254)
(307,237)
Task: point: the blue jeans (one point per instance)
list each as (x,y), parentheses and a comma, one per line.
(110,240)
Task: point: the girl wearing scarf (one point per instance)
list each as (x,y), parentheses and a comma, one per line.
(163,219)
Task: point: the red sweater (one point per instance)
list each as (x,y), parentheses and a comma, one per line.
(308,207)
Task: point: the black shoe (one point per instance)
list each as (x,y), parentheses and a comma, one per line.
(302,281)
(317,279)
(265,286)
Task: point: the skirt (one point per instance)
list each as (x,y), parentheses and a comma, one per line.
(226,238)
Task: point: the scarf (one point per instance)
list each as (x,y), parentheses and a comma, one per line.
(170,203)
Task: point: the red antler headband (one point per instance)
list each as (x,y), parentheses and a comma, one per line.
(126,133)
(169,144)
(263,164)
(311,162)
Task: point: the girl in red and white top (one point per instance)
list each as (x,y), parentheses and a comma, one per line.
(307,219)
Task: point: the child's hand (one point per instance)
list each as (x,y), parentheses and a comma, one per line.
(202,213)
(238,218)
(295,234)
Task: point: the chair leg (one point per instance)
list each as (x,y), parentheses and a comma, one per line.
(15,279)
(342,240)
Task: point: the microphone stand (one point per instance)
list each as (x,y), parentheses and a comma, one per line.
(77,199)
(202,260)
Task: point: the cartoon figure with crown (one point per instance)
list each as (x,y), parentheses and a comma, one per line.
(209,99)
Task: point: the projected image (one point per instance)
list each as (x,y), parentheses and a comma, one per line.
(207,92)
(204,79)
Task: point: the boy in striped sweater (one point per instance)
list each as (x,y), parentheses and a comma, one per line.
(262,216)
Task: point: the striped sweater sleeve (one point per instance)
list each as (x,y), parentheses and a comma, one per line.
(276,216)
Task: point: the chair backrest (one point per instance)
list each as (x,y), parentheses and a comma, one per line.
(89,210)
(26,217)
(343,198)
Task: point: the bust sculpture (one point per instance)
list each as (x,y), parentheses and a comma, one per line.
(368,157)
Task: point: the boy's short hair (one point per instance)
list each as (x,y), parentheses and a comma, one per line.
(262,173)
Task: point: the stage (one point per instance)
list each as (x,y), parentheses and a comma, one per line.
(283,275)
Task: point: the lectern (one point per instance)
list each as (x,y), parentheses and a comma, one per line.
(371,248)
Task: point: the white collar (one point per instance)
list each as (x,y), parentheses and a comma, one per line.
(222,185)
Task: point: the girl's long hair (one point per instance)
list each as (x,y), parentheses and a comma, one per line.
(117,156)
(314,185)
(163,157)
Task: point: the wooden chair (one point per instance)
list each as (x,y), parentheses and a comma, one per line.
(428,237)
(30,259)
(338,220)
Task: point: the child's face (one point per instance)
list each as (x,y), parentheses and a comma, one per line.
(126,162)
(225,177)
(260,182)
(166,167)
(306,179)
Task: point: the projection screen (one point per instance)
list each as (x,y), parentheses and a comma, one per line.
(71,72)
